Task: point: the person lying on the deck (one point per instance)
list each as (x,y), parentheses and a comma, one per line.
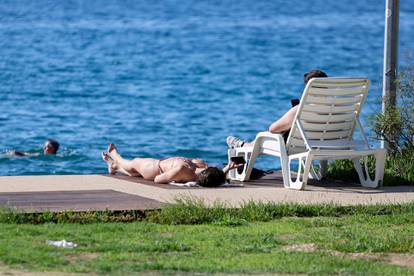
(284,123)
(50,147)
(177,169)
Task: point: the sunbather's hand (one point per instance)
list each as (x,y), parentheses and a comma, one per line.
(231,166)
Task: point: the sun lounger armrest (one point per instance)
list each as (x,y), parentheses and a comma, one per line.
(268,134)
(269,143)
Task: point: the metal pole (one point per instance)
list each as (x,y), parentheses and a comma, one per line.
(390,56)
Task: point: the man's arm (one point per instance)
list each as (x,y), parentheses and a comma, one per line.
(285,122)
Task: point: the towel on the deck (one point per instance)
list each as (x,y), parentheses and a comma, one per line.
(194,184)
(187,184)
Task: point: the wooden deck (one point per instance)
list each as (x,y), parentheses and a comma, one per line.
(89,200)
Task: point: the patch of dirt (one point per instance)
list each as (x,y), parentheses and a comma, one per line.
(261,274)
(368,256)
(285,237)
(167,234)
(302,247)
(4,270)
(400,259)
(406,260)
(84,256)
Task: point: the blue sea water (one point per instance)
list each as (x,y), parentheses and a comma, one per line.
(170,78)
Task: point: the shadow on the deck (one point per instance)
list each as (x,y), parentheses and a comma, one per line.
(276,180)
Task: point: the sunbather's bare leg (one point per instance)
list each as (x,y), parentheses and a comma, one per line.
(128,167)
(112,168)
(124,163)
(113,151)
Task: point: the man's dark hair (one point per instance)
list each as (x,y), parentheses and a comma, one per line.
(315,73)
(211,177)
(54,144)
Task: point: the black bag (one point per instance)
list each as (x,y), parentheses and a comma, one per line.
(256,173)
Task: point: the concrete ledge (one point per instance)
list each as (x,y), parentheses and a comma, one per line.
(269,189)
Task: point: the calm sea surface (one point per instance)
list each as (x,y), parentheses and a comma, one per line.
(170,78)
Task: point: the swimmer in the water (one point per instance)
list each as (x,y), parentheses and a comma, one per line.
(178,169)
(50,147)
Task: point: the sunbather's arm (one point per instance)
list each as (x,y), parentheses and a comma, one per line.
(168,176)
(285,122)
(230,166)
(175,174)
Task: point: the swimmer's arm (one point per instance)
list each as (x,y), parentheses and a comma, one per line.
(168,176)
(285,122)
(19,153)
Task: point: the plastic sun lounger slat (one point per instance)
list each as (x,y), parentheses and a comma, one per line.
(321,118)
(343,143)
(324,135)
(333,100)
(330,108)
(308,126)
(297,143)
(338,143)
(337,92)
(339,82)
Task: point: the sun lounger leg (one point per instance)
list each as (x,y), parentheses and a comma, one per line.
(284,163)
(304,165)
(363,173)
(250,160)
(249,165)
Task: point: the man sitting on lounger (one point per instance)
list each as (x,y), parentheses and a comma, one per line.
(177,169)
(284,123)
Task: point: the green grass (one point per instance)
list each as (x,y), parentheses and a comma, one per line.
(257,238)
(194,211)
(252,248)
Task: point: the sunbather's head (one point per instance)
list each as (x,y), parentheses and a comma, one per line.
(51,147)
(315,73)
(211,177)
(200,163)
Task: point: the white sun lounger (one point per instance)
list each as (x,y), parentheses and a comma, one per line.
(323,129)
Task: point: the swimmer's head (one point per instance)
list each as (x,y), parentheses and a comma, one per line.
(211,177)
(50,147)
(314,74)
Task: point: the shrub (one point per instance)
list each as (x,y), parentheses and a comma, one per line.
(396,124)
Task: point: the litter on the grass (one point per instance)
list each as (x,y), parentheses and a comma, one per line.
(62,243)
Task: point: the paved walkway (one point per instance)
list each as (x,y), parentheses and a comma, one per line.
(99,192)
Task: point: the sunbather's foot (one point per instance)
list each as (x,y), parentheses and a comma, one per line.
(112,167)
(234,142)
(113,151)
